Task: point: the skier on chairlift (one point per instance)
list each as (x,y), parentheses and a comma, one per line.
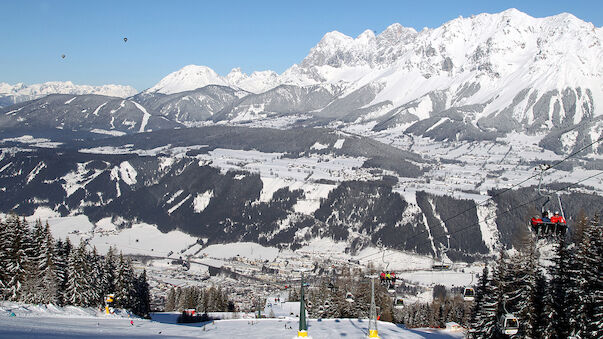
(536,223)
(545,217)
(556,218)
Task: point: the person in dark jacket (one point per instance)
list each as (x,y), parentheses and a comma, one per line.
(545,217)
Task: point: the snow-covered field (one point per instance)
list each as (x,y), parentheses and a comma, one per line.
(30,321)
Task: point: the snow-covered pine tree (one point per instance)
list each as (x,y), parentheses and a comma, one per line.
(484,313)
(170,301)
(78,284)
(587,315)
(522,270)
(95,277)
(557,303)
(30,289)
(17,250)
(192,295)
(574,294)
(124,285)
(211,299)
(48,282)
(142,306)
(595,325)
(4,258)
(109,272)
(538,319)
(201,299)
(62,251)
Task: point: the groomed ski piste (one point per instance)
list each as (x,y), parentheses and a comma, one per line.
(47,321)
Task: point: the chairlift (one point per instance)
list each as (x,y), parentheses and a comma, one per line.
(546,225)
(442,266)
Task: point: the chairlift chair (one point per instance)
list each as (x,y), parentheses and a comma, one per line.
(549,228)
(442,266)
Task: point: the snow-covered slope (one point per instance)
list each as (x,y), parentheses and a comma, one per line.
(73,322)
(12,94)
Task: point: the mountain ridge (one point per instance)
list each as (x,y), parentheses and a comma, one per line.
(20,92)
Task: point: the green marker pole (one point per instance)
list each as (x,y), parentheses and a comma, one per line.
(303,327)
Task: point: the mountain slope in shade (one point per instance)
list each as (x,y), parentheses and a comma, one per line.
(90,113)
(13,94)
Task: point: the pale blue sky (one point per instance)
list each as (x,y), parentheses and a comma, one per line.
(164,36)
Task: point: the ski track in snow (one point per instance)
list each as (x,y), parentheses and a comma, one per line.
(145,117)
(98,109)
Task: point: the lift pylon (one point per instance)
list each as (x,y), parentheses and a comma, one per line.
(373,332)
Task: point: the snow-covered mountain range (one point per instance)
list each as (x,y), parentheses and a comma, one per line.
(12,94)
(540,72)
(474,78)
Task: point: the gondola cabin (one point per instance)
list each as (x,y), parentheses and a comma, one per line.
(469,294)
(509,324)
(349,297)
(440,267)
(398,303)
